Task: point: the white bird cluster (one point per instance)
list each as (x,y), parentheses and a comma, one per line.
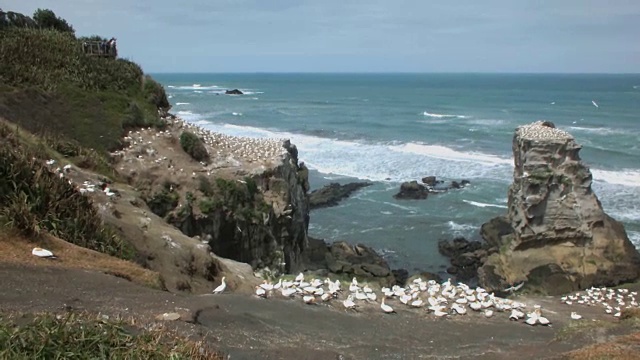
(538,131)
(439,299)
(248,149)
(310,291)
(613,301)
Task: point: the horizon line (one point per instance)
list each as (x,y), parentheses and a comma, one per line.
(397,72)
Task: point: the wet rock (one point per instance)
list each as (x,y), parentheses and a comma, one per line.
(429,181)
(234,92)
(412,190)
(330,195)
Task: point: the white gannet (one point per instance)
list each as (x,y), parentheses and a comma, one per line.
(460,309)
(309,299)
(43,253)
(300,277)
(220,287)
(488,313)
(575,316)
(594,103)
(260,292)
(516,314)
(348,303)
(417,303)
(386,308)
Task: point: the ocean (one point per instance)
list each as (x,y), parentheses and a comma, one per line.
(390,128)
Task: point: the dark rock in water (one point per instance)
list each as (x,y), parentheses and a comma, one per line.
(234,92)
(330,195)
(429,181)
(412,190)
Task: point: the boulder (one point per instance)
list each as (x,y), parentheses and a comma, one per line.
(234,92)
(412,190)
(358,261)
(465,256)
(555,235)
(330,195)
(429,181)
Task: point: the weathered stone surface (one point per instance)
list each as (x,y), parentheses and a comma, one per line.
(358,260)
(330,195)
(562,239)
(466,257)
(412,190)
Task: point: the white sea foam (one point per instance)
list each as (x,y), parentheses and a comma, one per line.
(194,87)
(627,177)
(483,205)
(461,228)
(181,103)
(386,212)
(197,91)
(634,236)
(444,116)
(236,114)
(597,130)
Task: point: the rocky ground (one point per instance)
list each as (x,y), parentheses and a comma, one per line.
(247,327)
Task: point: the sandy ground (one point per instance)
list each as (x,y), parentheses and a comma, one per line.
(247,327)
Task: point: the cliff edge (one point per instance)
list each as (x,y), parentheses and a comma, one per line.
(555,237)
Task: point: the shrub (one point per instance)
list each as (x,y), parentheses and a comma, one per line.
(47,19)
(194,146)
(155,93)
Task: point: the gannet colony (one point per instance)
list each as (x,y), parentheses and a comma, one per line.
(440,300)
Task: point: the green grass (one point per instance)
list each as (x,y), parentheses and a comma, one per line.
(86,336)
(582,327)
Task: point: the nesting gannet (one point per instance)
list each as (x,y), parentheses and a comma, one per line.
(460,309)
(43,253)
(348,303)
(260,292)
(220,287)
(516,314)
(386,308)
(300,277)
(417,303)
(309,299)
(325,297)
(575,316)
(488,313)
(288,292)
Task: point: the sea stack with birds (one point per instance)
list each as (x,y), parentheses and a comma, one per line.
(558,237)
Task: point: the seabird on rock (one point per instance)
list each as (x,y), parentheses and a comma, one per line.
(220,287)
(386,308)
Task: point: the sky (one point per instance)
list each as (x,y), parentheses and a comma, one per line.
(583,36)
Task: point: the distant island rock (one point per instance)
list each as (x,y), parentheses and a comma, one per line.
(414,190)
(233,92)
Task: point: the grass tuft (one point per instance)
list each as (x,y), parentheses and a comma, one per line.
(87,336)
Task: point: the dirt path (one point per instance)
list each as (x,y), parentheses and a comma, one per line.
(250,328)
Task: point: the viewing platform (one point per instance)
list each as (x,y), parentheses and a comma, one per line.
(100,48)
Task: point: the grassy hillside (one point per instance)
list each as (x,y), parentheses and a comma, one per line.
(49,86)
(58,103)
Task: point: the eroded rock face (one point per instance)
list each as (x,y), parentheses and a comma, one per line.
(560,238)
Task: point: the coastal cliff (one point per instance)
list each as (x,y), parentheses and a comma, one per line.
(242,206)
(555,236)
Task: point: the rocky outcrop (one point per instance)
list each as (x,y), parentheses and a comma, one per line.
(271,233)
(465,256)
(414,190)
(346,260)
(234,92)
(556,236)
(330,195)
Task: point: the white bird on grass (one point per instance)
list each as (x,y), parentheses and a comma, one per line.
(386,308)
(575,316)
(220,287)
(43,253)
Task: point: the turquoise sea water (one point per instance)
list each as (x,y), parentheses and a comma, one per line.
(390,128)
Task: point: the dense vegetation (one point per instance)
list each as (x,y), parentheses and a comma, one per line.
(193,146)
(83,336)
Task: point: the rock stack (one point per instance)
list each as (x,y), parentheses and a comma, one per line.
(555,237)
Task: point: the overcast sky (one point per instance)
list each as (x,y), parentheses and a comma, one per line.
(362,36)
